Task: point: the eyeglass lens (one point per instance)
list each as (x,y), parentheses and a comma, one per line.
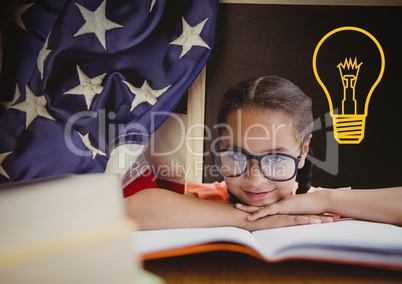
(275,166)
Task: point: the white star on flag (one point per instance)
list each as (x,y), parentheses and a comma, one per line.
(144,94)
(17,95)
(16,14)
(3,156)
(96,22)
(43,53)
(33,106)
(87,143)
(88,87)
(190,37)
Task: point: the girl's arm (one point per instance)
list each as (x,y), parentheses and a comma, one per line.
(163,209)
(379,205)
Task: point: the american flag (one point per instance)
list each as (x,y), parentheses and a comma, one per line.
(79,78)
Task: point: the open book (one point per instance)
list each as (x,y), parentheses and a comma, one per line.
(345,241)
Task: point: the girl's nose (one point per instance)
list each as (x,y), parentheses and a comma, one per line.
(253,173)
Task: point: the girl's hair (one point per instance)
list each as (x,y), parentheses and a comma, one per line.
(275,93)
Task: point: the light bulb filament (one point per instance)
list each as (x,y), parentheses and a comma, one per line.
(349,72)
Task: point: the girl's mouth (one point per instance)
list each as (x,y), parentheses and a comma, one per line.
(258,196)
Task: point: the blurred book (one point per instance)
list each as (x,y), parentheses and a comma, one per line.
(68,229)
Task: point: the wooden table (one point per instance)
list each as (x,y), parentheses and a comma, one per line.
(229,267)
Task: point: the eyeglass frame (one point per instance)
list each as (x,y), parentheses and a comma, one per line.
(249,157)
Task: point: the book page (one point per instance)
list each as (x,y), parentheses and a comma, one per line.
(351,240)
(343,241)
(145,242)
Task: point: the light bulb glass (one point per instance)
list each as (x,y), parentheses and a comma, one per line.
(349,123)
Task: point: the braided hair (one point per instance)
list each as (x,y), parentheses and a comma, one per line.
(304,175)
(275,93)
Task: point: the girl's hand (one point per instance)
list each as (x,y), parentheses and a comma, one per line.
(278,221)
(248,208)
(311,204)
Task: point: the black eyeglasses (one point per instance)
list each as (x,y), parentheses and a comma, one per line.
(274,166)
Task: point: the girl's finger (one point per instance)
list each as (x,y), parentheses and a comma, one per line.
(247,208)
(262,212)
(294,220)
(323,218)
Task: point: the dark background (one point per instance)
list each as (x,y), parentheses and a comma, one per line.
(255,40)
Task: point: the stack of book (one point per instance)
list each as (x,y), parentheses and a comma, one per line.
(70,229)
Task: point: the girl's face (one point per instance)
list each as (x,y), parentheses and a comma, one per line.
(258,132)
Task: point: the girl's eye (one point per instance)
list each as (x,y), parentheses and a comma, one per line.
(239,157)
(274,159)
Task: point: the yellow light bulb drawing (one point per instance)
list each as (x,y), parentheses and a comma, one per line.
(349,124)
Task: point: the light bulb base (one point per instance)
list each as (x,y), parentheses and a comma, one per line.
(349,128)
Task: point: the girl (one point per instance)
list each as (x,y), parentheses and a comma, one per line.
(275,106)
(265,130)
